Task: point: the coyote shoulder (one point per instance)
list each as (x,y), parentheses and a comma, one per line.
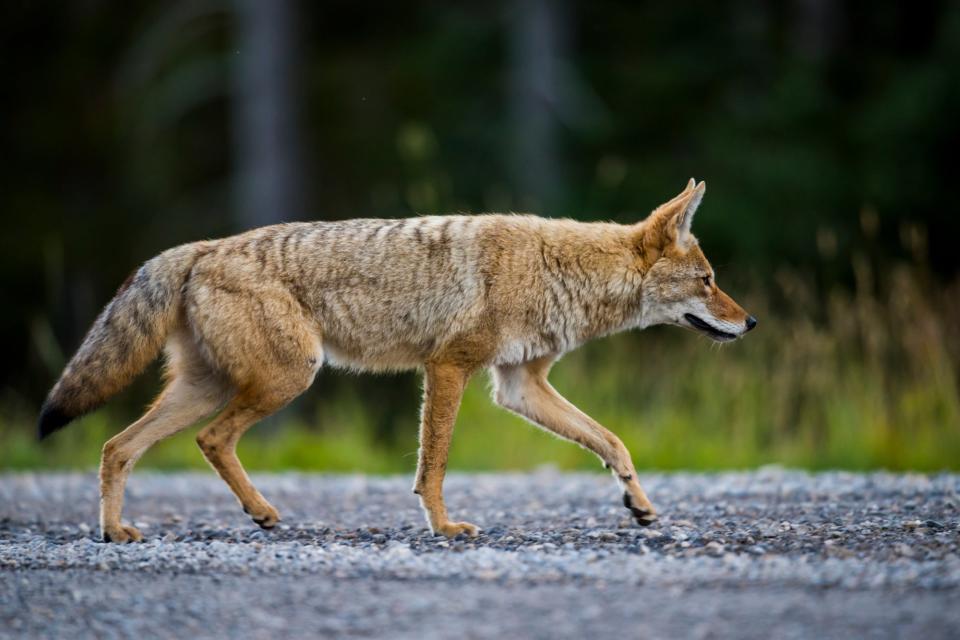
(245,323)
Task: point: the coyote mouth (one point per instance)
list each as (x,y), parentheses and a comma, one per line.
(708,328)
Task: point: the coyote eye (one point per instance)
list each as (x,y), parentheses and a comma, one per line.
(706,281)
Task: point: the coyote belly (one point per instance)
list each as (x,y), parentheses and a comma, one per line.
(247,321)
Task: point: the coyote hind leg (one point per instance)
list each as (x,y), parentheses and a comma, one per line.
(190,396)
(218,442)
(278,381)
(270,349)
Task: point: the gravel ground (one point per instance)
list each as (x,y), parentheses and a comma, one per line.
(761,554)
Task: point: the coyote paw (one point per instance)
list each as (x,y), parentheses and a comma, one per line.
(122,533)
(453,529)
(265,516)
(644,517)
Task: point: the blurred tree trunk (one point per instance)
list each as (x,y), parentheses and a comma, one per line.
(267,184)
(815,28)
(536,43)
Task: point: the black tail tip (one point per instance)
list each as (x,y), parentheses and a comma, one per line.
(52,418)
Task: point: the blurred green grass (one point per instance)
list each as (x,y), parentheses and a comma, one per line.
(859,378)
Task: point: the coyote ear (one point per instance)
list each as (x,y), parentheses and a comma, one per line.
(685,216)
(669,224)
(669,204)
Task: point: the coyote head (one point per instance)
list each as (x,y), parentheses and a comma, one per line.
(679,286)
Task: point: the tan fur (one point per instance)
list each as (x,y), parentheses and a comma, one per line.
(248,320)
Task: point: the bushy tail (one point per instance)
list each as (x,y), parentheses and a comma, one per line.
(127,335)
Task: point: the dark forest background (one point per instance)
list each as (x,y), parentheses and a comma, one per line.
(826,132)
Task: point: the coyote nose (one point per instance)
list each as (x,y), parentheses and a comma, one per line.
(751,323)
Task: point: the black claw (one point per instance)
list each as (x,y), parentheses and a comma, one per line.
(106,537)
(261,523)
(644,518)
(245,510)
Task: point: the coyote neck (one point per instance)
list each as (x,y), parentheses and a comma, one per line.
(593,287)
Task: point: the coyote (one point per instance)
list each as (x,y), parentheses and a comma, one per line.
(246,322)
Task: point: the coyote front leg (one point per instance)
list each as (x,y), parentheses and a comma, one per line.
(443,390)
(524,389)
